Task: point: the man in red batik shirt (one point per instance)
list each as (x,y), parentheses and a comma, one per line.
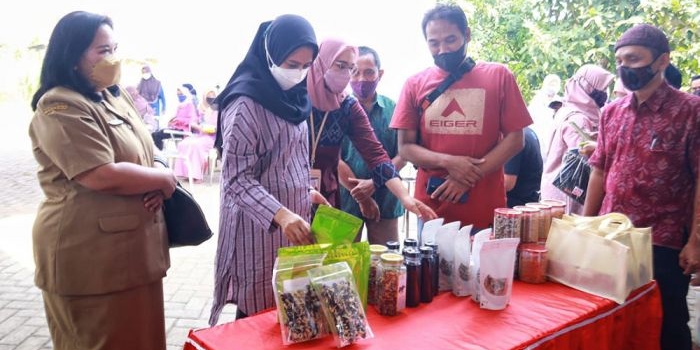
(646,164)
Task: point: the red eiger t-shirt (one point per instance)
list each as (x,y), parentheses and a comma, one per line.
(468,119)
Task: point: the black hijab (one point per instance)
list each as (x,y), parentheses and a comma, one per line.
(252,77)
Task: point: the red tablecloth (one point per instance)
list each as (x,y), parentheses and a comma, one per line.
(543,316)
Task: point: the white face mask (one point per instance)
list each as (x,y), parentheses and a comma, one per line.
(146,76)
(285,77)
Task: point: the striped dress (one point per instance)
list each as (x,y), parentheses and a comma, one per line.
(265,168)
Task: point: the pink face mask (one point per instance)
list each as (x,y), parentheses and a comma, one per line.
(364,89)
(336,81)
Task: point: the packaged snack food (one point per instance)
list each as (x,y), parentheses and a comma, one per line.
(298,308)
(334,284)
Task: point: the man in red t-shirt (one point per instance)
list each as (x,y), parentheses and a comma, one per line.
(646,163)
(468,133)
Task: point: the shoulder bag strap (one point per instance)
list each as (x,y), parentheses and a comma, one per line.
(463,69)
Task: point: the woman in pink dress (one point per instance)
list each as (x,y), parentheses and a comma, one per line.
(185,116)
(196,147)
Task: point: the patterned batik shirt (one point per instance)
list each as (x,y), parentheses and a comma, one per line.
(350,121)
(649,155)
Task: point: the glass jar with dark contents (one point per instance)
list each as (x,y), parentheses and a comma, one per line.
(376,250)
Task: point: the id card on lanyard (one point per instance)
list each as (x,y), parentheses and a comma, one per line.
(316,174)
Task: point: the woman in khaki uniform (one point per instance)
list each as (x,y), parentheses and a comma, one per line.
(100,244)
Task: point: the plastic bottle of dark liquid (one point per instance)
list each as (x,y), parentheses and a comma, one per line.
(412,260)
(427,266)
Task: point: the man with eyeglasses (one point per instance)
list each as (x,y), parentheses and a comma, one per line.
(646,164)
(381,220)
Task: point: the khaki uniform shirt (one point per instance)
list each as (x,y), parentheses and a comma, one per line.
(88,242)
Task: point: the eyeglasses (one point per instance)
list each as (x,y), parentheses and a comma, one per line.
(342,65)
(368,73)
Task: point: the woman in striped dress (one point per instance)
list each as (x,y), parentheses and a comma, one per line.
(265,194)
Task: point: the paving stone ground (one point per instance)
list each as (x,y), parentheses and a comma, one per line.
(187,288)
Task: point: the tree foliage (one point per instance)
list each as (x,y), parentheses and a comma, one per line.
(538,37)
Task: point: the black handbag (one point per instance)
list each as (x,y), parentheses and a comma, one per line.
(185,221)
(573,177)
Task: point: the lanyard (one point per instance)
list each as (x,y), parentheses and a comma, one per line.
(314,138)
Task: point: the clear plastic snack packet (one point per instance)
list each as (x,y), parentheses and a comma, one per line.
(357,255)
(461,285)
(298,308)
(335,286)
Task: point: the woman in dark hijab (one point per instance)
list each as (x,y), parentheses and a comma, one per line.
(151,89)
(263,140)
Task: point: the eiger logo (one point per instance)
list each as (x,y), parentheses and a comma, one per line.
(457,112)
(452,107)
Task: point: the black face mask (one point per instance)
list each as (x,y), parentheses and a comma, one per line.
(636,78)
(696,92)
(599,96)
(450,61)
(210,100)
